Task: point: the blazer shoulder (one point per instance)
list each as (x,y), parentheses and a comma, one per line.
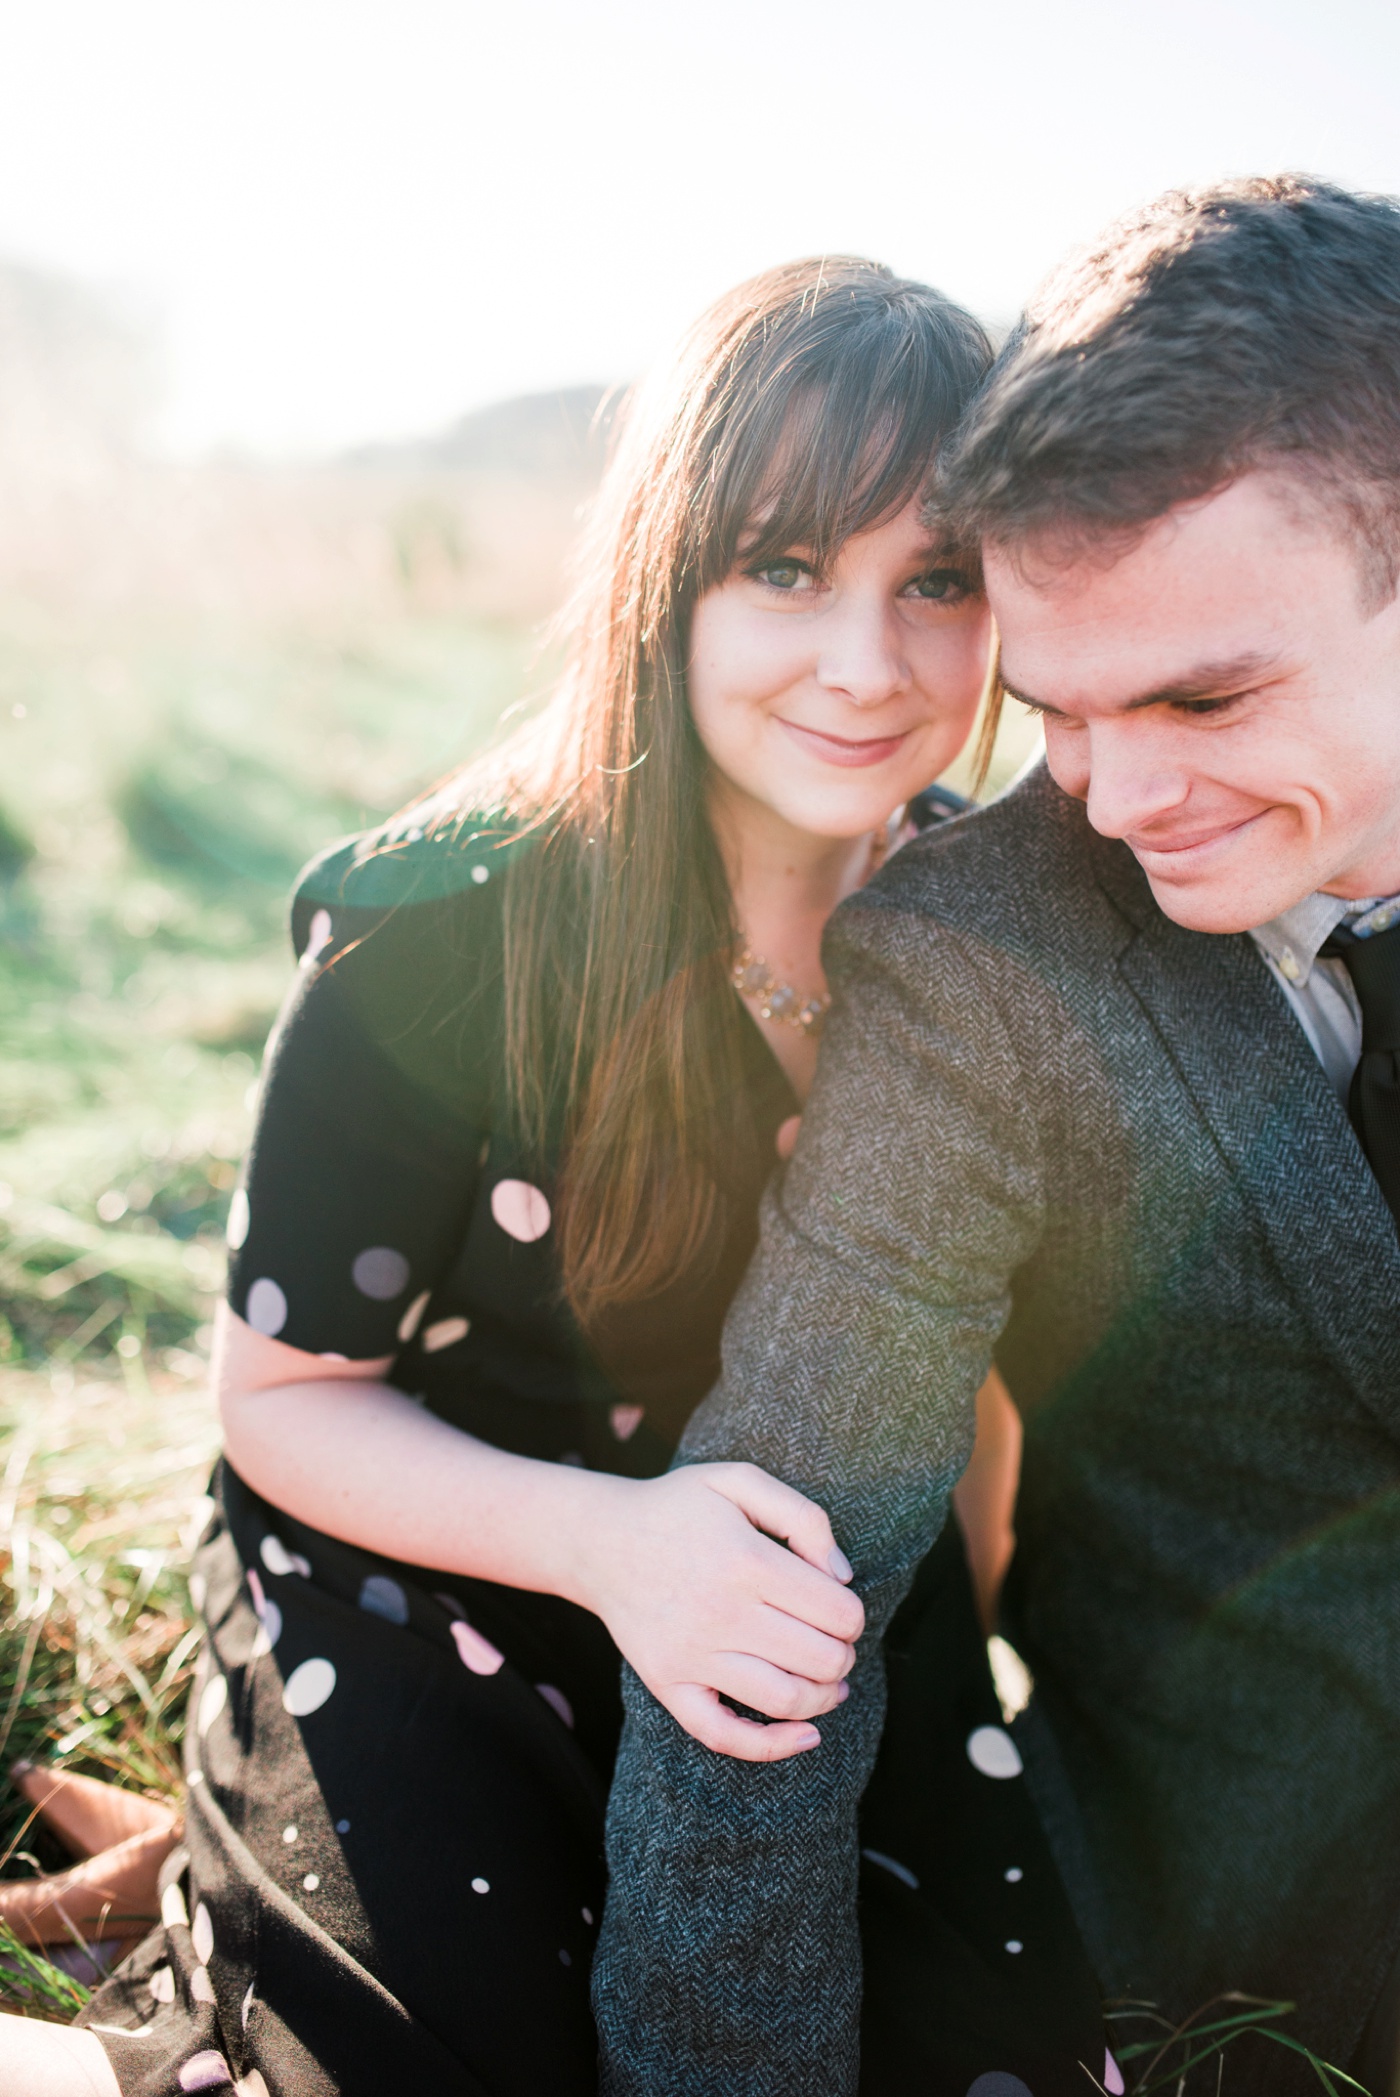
(1028,854)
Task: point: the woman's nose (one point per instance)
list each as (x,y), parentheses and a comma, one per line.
(861,653)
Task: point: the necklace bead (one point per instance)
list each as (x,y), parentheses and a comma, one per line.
(753,978)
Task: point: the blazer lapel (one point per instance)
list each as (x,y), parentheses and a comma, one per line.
(1252,1075)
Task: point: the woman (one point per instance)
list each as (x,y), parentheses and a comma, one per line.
(553,1028)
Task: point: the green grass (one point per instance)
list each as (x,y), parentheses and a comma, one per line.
(159,787)
(160,783)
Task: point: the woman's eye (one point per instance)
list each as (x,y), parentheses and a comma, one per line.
(939,585)
(783,575)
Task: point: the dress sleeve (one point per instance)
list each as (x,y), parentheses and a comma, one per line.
(375,1099)
(730,1956)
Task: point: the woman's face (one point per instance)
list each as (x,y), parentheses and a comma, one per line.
(829,699)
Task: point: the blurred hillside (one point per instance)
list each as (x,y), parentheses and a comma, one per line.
(205,672)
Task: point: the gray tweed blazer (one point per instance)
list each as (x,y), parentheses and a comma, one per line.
(1051,1122)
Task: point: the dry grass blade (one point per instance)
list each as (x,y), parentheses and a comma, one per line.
(101,1488)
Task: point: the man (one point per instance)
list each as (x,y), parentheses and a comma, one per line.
(1113,1086)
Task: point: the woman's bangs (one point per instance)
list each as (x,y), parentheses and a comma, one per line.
(845,457)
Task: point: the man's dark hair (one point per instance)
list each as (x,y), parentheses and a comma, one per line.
(1253,324)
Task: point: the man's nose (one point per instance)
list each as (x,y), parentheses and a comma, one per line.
(862,655)
(1120,770)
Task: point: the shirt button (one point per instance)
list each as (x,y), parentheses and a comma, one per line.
(1288,962)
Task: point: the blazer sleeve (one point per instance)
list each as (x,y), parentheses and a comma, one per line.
(729,1957)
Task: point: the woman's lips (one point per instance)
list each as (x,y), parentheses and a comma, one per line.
(840,749)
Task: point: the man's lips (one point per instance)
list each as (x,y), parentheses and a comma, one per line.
(1181,851)
(844,750)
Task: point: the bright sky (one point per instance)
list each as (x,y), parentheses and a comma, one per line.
(361,217)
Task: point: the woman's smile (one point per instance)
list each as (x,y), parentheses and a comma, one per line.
(844,749)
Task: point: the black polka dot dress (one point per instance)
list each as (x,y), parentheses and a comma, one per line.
(392,1874)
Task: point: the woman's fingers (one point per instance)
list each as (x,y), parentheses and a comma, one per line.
(772,1690)
(789,1584)
(781,1511)
(716,1727)
(788,1643)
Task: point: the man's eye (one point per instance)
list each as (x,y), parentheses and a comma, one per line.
(939,585)
(783,575)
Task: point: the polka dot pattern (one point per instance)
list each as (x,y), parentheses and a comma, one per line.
(202,1934)
(380,1273)
(481,1886)
(1112,2076)
(173,1912)
(212,1699)
(445,1332)
(319,935)
(266,1308)
(162,1985)
(308,1687)
(207,2071)
(280,1561)
(252,2084)
(480,874)
(991,1750)
(240,1218)
(476,1652)
(413,1317)
(557,1701)
(381,1596)
(311,1882)
(625,1420)
(268,1632)
(201,1987)
(998,2084)
(520,1209)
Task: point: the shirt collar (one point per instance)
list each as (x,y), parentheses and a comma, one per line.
(1293,938)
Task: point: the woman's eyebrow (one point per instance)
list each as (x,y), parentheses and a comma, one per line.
(1209,680)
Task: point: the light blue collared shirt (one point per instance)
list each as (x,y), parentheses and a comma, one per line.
(1319,986)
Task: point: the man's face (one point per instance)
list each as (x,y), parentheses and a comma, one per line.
(1222,697)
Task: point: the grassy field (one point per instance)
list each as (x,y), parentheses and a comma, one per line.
(162,776)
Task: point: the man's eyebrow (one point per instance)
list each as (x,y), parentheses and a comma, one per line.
(1206,681)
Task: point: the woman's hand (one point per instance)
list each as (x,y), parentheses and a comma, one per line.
(683,1569)
(686,1575)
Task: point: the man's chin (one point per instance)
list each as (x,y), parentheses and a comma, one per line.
(1211,906)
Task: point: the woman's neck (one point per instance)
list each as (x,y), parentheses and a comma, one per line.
(785,883)
(780,876)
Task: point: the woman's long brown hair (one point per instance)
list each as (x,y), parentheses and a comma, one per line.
(805,406)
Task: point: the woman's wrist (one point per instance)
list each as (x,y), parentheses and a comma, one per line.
(577,1531)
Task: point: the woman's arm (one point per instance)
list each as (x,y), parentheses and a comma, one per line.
(985,1496)
(682,1569)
